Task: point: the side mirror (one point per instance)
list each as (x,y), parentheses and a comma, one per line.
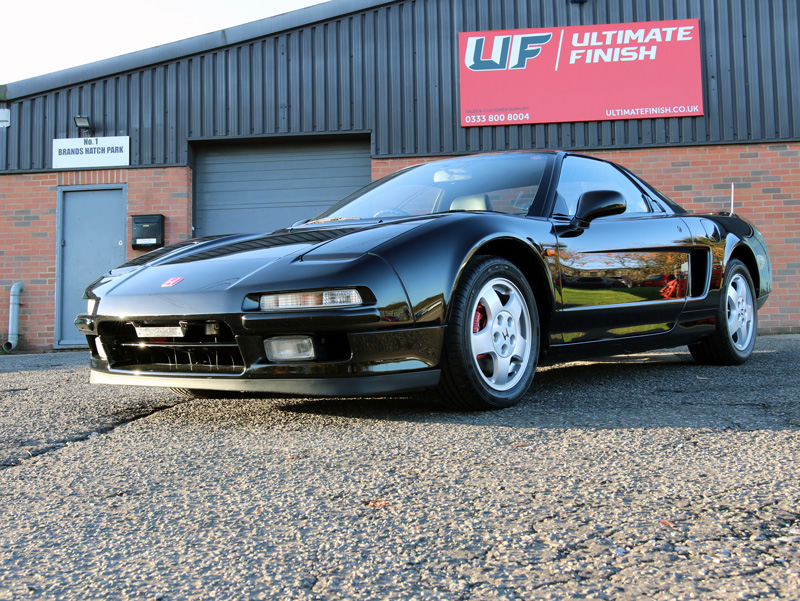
(598,203)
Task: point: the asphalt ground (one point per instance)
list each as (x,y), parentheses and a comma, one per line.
(643,476)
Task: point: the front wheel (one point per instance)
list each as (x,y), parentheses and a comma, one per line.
(737,321)
(492,340)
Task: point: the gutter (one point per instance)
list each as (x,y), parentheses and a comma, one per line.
(13,317)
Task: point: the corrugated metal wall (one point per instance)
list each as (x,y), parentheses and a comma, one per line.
(260,187)
(393,70)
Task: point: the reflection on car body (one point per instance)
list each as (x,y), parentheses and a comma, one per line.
(659,280)
(460,275)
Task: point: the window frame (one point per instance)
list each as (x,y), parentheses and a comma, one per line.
(620,172)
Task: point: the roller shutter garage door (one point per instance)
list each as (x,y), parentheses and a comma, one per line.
(262,187)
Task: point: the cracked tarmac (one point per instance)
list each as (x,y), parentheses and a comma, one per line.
(640,476)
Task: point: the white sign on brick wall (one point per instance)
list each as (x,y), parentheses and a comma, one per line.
(78,153)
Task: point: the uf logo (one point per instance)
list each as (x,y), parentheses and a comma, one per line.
(508,52)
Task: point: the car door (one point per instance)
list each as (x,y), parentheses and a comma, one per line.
(623,275)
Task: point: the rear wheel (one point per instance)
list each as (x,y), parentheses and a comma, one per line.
(492,340)
(737,321)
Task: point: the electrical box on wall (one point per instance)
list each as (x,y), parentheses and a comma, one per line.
(147,232)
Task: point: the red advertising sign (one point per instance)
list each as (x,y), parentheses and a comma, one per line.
(587,73)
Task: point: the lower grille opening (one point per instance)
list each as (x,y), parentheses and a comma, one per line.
(204,348)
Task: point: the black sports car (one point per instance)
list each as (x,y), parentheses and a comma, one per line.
(459,275)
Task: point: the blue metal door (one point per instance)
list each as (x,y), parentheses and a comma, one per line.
(91,240)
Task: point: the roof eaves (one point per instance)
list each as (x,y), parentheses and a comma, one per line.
(194,45)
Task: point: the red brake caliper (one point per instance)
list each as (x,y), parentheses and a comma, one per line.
(478,323)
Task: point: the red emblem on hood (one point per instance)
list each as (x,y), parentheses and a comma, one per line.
(171,282)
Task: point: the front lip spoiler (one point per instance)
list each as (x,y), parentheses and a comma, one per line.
(355,386)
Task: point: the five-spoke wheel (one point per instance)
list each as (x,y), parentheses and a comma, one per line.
(737,321)
(740,312)
(500,342)
(492,341)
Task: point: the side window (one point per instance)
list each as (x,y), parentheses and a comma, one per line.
(579,175)
(657,197)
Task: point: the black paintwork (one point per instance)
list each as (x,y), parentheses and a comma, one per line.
(603,286)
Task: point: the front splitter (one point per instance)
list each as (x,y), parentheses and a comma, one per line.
(355,386)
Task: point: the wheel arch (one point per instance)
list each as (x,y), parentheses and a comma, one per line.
(742,252)
(529,261)
(735,322)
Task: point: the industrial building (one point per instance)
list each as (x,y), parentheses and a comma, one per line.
(255,127)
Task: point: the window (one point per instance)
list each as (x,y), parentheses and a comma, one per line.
(657,198)
(513,201)
(501,183)
(579,175)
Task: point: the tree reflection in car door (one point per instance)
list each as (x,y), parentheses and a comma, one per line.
(604,267)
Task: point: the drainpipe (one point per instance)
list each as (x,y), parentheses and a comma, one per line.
(13,317)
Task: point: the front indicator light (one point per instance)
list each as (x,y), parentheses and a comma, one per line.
(310,300)
(289,348)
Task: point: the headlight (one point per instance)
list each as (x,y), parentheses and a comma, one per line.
(310,300)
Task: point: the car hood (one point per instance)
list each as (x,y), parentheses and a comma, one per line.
(222,263)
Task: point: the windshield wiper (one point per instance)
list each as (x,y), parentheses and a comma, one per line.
(329,219)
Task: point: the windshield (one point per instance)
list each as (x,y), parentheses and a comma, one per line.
(501,183)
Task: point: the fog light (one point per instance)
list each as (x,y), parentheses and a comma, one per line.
(289,348)
(310,300)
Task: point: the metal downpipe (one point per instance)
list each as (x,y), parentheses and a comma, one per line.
(13,317)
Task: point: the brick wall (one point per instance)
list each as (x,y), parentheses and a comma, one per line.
(28,226)
(27,254)
(767,179)
(384,167)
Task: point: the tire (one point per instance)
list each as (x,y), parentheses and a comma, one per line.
(737,321)
(492,339)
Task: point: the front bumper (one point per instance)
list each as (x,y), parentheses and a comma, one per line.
(219,353)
